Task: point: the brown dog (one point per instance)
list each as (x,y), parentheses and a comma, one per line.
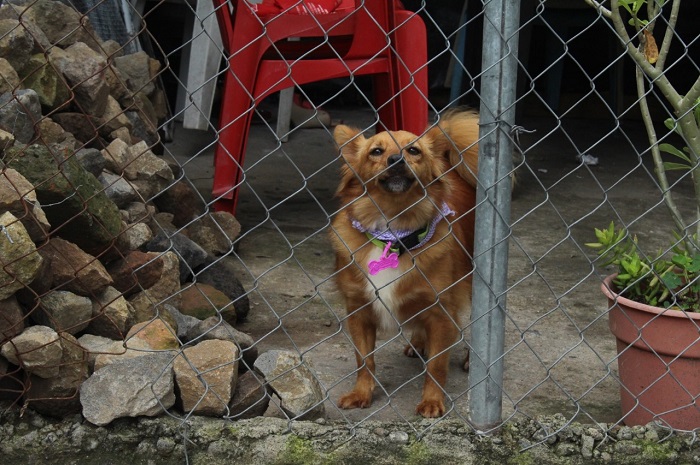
(403,239)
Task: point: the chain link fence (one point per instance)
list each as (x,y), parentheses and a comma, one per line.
(123,273)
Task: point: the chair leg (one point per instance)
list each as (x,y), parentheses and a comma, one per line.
(234,123)
(386,101)
(411,67)
(284,113)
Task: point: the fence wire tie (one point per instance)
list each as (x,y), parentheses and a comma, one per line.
(516,130)
(4,230)
(75,191)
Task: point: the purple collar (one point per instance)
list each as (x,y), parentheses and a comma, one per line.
(404,239)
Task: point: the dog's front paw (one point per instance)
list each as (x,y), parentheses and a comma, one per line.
(431,408)
(354,399)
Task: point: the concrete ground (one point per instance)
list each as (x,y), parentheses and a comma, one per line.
(559,355)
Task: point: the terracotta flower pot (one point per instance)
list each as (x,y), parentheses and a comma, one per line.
(658,360)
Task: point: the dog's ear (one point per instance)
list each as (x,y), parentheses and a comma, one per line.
(342,133)
(348,139)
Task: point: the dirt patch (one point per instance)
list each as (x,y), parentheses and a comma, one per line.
(559,355)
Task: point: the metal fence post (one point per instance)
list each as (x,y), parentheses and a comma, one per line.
(498,88)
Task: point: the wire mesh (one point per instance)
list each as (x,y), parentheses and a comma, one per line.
(114,254)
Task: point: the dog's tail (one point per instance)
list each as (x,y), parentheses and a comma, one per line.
(456,135)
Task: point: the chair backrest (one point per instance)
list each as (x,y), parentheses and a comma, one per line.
(366,25)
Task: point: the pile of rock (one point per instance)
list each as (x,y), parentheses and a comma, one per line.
(115,296)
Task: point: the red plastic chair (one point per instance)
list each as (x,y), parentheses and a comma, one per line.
(373,38)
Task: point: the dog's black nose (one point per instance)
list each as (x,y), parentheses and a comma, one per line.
(394,159)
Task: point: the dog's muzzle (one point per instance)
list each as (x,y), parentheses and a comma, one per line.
(397,177)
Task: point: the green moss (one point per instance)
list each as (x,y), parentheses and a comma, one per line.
(658,452)
(298,451)
(419,454)
(522,458)
(233,430)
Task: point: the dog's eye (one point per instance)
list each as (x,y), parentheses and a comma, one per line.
(413,150)
(376,151)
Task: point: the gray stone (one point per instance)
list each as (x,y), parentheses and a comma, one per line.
(121,134)
(58,396)
(72,26)
(118,189)
(84,70)
(566,449)
(17,195)
(113,118)
(122,350)
(18,113)
(300,393)
(149,173)
(221,274)
(215,232)
(206,377)
(184,323)
(251,398)
(7,140)
(627,447)
(117,83)
(20,260)
(16,43)
(57,139)
(165,291)
(63,311)
(9,80)
(399,437)
(42,78)
(11,319)
(115,155)
(38,350)
(133,237)
(112,315)
(190,252)
(587,444)
(625,433)
(215,328)
(96,345)
(92,160)
(42,283)
(141,386)
(136,67)
(139,211)
(143,129)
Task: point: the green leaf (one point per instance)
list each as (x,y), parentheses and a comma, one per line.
(669,166)
(672,280)
(694,266)
(681,260)
(670,149)
(672,125)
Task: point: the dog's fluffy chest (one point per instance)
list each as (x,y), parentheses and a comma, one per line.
(383,291)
